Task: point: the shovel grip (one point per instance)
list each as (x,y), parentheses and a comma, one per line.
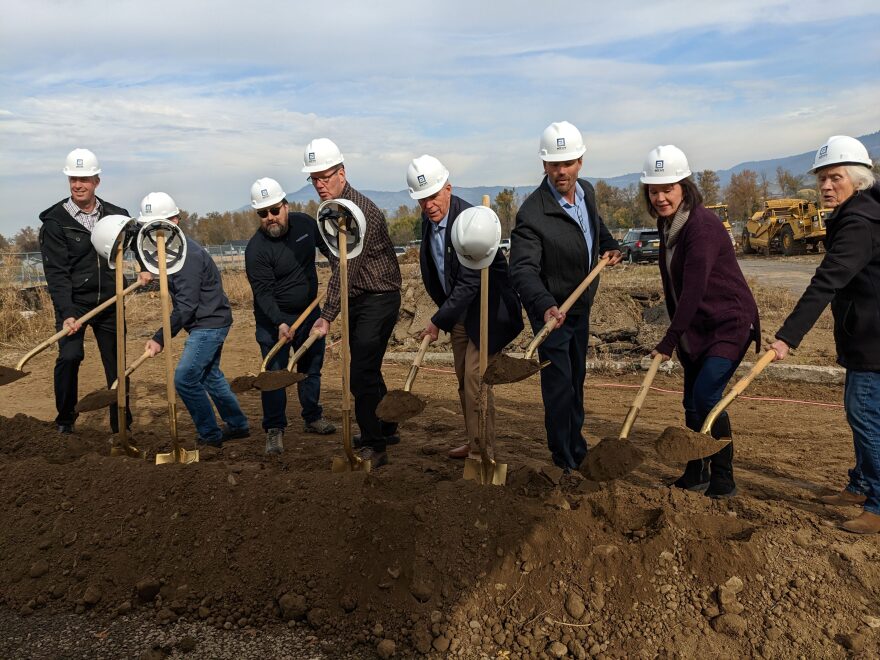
(737,389)
(131,368)
(306,345)
(63,333)
(550,326)
(414,369)
(640,398)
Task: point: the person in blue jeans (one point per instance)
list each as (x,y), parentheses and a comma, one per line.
(202,309)
(849,279)
(714,317)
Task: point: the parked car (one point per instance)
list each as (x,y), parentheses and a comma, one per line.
(641,245)
(504,245)
(399,250)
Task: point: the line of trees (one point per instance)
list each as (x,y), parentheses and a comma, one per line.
(620,207)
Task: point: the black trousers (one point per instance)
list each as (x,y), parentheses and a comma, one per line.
(371,319)
(71,354)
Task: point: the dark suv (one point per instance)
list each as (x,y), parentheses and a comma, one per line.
(641,245)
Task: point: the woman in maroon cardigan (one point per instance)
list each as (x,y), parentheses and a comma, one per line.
(714,316)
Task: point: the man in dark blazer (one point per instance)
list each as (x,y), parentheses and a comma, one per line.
(456,290)
(557,240)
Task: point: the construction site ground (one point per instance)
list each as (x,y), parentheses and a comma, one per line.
(247,556)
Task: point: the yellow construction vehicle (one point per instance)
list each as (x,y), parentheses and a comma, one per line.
(721,211)
(790,226)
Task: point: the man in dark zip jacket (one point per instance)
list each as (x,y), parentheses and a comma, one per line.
(849,279)
(78,281)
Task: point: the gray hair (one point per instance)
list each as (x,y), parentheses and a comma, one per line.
(861,176)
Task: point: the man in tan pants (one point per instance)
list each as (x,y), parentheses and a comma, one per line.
(456,291)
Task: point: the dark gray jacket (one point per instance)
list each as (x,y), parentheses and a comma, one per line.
(548,255)
(849,279)
(197,292)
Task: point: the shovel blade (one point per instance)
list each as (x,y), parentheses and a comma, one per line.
(505,369)
(485,474)
(131,451)
(342,464)
(96,400)
(180,455)
(679,445)
(268,381)
(241,384)
(611,459)
(10,375)
(399,406)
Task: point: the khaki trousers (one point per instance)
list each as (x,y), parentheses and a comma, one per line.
(467,369)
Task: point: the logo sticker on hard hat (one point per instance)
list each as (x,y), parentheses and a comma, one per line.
(658,165)
(79,162)
(311,156)
(823,151)
(148,208)
(560,143)
(264,193)
(422,180)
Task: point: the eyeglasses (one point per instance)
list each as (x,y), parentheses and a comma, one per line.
(275,210)
(315,180)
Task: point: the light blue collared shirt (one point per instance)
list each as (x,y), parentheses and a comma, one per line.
(438,249)
(577,212)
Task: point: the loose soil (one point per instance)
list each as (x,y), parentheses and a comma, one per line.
(412,558)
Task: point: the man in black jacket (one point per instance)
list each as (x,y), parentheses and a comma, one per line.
(456,290)
(849,279)
(557,240)
(202,309)
(78,281)
(280,266)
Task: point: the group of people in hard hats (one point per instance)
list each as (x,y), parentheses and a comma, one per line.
(559,237)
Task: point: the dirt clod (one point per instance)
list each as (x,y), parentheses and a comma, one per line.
(399,406)
(680,445)
(611,459)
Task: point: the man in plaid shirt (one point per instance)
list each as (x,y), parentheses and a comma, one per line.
(373,299)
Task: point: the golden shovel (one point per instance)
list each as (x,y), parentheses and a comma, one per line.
(681,444)
(484,471)
(614,458)
(105,397)
(266,381)
(9,375)
(178,454)
(505,369)
(350,462)
(401,405)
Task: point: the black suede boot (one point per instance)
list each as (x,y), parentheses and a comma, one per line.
(695,477)
(721,483)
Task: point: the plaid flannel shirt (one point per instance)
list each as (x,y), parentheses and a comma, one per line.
(87,220)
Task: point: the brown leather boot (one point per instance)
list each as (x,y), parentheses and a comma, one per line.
(867,523)
(843,498)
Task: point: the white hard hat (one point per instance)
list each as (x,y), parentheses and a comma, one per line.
(321,154)
(81,162)
(665,164)
(561,141)
(841,150)
(107,233)
(425,176)
(329,213)
(175,245)
(266,192)
(476,235)
(157,205)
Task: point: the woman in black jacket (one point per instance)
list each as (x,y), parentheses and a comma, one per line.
(849,279)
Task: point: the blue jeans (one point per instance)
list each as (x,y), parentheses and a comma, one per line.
(562,388)
(861,399)
(198,380)
(311,363)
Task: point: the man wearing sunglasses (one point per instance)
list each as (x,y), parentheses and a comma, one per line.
(373,299)
(280,266)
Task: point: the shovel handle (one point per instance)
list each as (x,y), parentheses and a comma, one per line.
(414,369)
(640,397)
(737,389)
(63,333)
(272,353)
(134,365)
(550,326)
(306,345)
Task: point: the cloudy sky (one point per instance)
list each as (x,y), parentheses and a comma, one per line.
(199,99)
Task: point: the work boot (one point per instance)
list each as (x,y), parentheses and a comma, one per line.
(867,523)
(695,477)
(377,458)
(320,426)
(357,441)
(843,498)
(274,443)
(721,483)
(235,434)
(65,429)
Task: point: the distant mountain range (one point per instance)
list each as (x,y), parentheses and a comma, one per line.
(798,164)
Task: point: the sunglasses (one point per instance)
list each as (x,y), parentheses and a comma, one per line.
(275,210)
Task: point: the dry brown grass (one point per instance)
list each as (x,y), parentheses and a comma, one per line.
(24,322)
